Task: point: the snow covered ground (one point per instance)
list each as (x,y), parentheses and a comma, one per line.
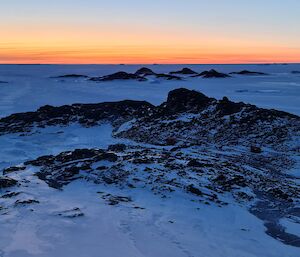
(171,227)
(30,87)
(149,226)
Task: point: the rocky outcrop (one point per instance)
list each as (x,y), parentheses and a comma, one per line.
(85,114)
(118,76)
(246,72)
(184,71)
(61,169)
(70,76)
(191,117)
(183,100)
(167,77)
(6,182)
(13,169)
(212,74)
(214,151)
(144,72)
(117,148)
(187,117)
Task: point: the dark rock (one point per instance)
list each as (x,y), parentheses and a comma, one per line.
(119,76)
(10,195)
(295,72)
(228,182)
(65,167)
(43,160)
(212,74)
(13,169)
(243,196)
(171,141)
(3,82)
(70,76)
(195,163)
(246,72)
(85,114)
(76,155)
(111,157)
(115,199)
(184,71)
(255,149)
(226,107)
(168,77)
(184,100)
(144,72)
(72,213)
(278,193)
(7,182)
(246,125)
(102,168)
(192,189)
(26,202)
(220,178)
(238,180)
(117,148)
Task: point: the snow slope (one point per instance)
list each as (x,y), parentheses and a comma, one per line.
(77,221)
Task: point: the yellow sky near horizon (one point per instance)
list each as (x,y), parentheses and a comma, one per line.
(102,32)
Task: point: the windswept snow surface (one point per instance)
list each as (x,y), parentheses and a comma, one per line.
(30,86)
(77,221)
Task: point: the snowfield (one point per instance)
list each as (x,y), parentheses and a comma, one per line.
(173,190)
(29,86)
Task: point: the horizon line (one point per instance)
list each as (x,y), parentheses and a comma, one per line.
(120,64)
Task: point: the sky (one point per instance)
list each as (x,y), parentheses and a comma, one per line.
(149,31)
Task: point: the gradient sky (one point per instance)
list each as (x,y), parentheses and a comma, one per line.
(149,31)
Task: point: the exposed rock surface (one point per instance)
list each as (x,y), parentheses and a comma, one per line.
(246,72)
(13,169)
(62,169)
(117,148)
(75,76)
(119,76)
(184,71)
(188,116)
(144,72)
(212,74)
(191,117)
(7,182)
(167,77)
(85,114)
(215,151)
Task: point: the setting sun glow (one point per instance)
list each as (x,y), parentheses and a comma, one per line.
(156,32)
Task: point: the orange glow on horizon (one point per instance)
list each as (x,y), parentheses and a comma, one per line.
(88,46)
(144,55)
(114,32)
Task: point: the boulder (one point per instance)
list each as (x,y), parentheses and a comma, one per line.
(184,100)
